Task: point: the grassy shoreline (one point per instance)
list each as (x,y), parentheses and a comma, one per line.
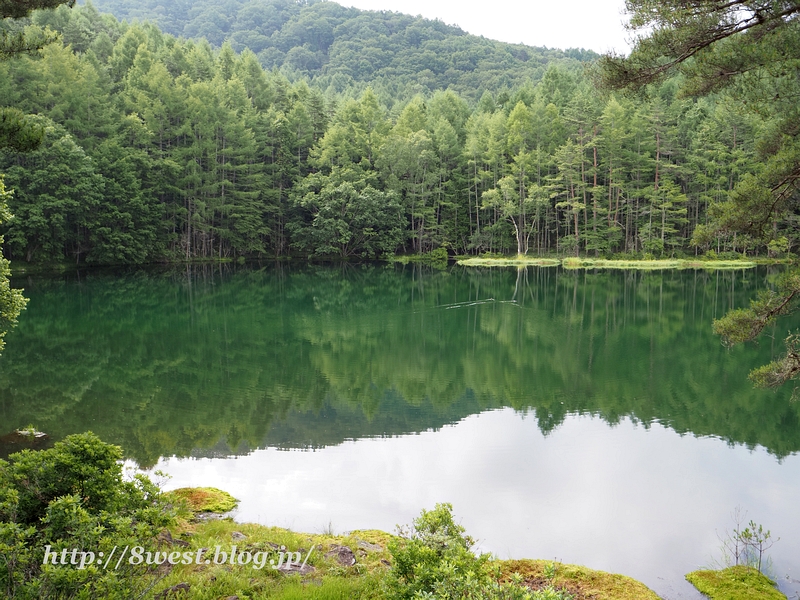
(356,564)
(329,576)
(360,564)
(599,263)
(439,260)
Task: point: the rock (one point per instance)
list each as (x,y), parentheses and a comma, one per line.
(173,591)
(342,554)
(293,568)
(30,433)
(22,439)
(203,517)
(369,547)
(238,537)
(166,536)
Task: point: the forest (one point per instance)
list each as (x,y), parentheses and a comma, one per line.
(261,135)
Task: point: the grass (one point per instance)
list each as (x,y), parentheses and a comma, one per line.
(593,263)
(519,261)
(331,580)
(735,583)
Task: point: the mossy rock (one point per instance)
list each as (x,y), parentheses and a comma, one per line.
(580,582)
(205,499)
(735,583)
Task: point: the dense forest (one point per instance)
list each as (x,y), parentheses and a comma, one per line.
(163,148)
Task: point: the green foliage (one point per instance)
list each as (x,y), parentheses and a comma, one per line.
(434,559)
(74,496)
(57,193)
(746,324)
(19,132)
(345,216)
(746,545)
(724,40)
(15,40)
(12,302)
(779,371)
(434,555)
(16,9)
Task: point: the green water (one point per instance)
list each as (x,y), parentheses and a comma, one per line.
(209,361)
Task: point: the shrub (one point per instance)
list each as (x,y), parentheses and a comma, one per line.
(434,560)
(73,496)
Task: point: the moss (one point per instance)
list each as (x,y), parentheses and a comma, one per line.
(735,583)
(581,582)
(205,499)
(329,578)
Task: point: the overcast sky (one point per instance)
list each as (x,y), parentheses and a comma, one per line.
(592,24)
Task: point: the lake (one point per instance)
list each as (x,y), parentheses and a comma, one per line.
(586,416)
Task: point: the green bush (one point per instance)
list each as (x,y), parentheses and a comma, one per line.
(730,256)
(434,552)
(73,496)
(434,560)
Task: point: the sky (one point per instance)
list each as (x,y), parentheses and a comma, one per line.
(590,24)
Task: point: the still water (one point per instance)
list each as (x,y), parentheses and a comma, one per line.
(590,417)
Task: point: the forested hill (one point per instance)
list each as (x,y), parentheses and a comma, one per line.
(341,47)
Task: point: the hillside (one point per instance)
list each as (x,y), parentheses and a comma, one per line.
(338,47)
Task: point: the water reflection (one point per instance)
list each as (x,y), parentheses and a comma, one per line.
(645,502)
(213,361)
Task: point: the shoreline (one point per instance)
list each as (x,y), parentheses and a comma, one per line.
(364,563)
(19,268)
(357,562)
(573,263)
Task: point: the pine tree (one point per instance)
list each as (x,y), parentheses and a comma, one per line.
(751,50)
